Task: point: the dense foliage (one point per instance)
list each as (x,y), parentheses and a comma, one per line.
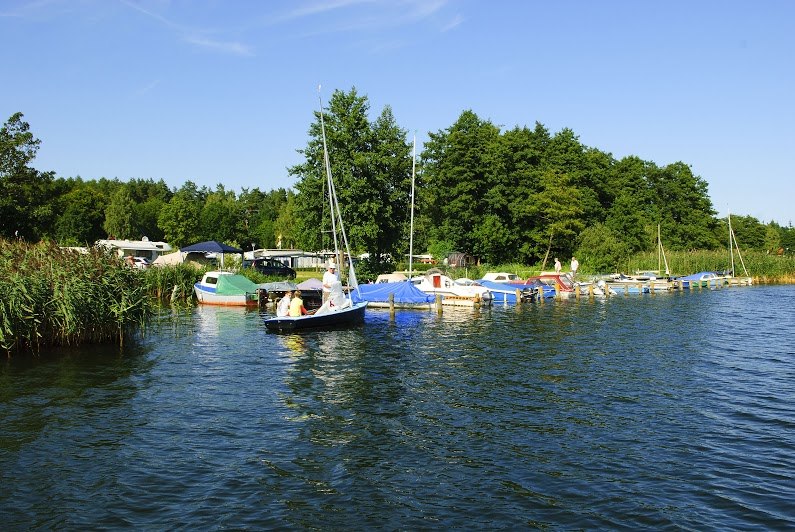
(522,196)
(55,296)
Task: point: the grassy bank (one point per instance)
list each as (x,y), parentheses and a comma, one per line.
(51,296)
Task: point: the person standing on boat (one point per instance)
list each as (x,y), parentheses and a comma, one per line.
(297,305)
(574,266)
(558,267)
(284,304)
(328,279)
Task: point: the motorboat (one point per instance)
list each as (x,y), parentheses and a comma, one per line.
(227,289)
(435,283)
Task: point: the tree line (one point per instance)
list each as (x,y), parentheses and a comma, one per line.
(522,195)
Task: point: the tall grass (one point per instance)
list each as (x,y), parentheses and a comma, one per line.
(52,296)
(173,283)
(761,266)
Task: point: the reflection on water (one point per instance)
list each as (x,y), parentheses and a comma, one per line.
(673,411)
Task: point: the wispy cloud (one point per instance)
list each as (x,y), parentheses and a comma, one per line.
(366,14)
(457,21)
(195,36)
(231,47)
(147,88)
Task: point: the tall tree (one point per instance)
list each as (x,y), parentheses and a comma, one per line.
(25,206)
(458,174)
(80,224)
(120,214)
(179,218)
(370,166)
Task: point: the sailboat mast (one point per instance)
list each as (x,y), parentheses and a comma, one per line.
(731,236)
(336,213)
(329,181)
(411,224)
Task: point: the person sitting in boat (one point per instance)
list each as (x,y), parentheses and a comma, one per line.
(297,305)
(283,309)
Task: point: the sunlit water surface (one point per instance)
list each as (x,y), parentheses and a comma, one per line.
(671,411)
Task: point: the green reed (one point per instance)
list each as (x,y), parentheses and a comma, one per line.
(172,283)
(761,266)
(52,296)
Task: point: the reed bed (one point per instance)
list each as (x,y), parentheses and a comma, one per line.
(172,284)
(51,296)
(763,267)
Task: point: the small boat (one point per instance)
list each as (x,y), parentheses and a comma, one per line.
(353,314)
(434,283)
(703,279)
(227,289)
(339,310)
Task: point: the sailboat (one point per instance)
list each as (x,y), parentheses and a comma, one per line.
(731,278)
(339,310)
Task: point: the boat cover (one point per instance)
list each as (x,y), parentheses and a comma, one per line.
(233,285)
(311,284)
(404,292)
(698,276)
(278,286)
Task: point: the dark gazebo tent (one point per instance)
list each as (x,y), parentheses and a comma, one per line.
(212,246)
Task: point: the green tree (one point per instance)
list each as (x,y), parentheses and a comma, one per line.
(458,171)
(25,201)
(119,216)
(179,218)
(602,250)
(628,204)
(370,165)
(82,220)
(283,228)
(222,217)
(557,212)
(682,206)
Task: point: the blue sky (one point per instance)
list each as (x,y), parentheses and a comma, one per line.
(223,91)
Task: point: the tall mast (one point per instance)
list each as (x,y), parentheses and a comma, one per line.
(336,213)
(411,225)
(731,247)
(329,181)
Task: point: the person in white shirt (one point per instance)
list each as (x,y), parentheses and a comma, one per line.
(283,309)
(329,277)
(557,265)
(574,266)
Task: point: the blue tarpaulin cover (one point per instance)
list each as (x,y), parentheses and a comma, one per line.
(405,292)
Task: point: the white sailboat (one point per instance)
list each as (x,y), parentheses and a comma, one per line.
(732,278)
(338,310)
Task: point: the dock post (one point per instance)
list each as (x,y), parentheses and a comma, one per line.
(439,304)
(392,306)
(518,296)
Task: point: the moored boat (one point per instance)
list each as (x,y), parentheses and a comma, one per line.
(227,289)
(434,283)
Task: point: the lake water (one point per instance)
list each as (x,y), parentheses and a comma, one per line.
(666,411)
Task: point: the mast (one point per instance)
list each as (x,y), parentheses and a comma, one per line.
(336,213)
(661,253)
(411,225)
(329,181)
(731,238)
